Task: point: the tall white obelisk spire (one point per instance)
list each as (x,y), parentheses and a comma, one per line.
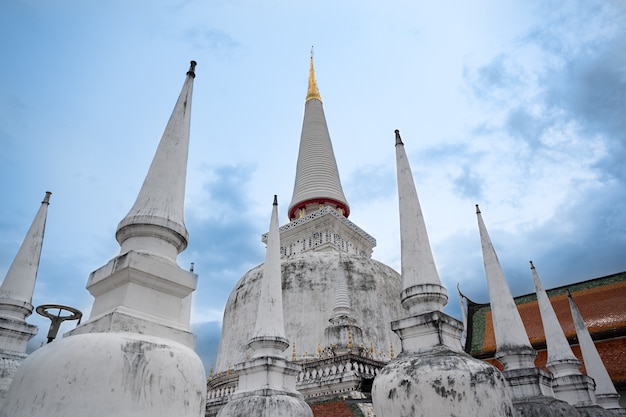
(606,395)
(422,290)
(513,347)
(16,295)
(569,383)
(269,331)
(156,222)
(267,382)
(432,363)
(16,291)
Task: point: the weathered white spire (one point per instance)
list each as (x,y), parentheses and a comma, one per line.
(422,289)
(267,382)
(606,395)
(570,384)
(317,177)
(155,223)
(513,348)
(269,332)
(16,294)
(342,306)
(16,291)
(559,351)
(344,331)
(432,377)
(134,355)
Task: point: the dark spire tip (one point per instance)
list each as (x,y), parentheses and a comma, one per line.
(275,199)
(477,209)
(532,266)
(398,138)
(192,69)
(46,198)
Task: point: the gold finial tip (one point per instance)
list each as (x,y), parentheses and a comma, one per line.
(312,90)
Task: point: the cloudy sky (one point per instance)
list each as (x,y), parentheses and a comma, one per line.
(517,106)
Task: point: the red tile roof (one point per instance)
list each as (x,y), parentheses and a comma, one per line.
(602,303)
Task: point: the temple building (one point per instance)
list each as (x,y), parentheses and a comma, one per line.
(320,329)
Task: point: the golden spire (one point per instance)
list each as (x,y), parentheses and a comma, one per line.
(371,348)
(211,373)
(319,348)
(293,352)
(391,354)
(312,92)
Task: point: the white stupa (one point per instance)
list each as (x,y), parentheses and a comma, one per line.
(134,356)
(318,243)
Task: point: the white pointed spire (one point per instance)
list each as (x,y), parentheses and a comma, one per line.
(422,289)
(606,395)
(513,348)
(16,291)
(561,359)
(155,223)
(269,331)
(431,354)
(317,177)
(569,383)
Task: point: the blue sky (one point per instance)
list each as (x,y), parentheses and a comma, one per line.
(519,107)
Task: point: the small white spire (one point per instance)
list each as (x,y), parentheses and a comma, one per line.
(16,291)
(422,289)
(156,223)
(561,360)
(269,331)
(606,395)
(342,306)
(569,383)
(513,348)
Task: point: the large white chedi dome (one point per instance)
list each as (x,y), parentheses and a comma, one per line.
(327,269)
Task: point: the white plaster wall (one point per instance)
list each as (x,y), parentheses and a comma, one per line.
(309,281)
